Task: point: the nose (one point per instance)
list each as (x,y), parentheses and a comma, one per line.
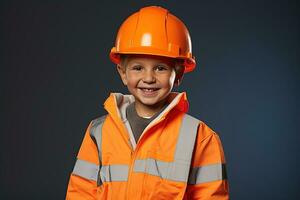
(149,77)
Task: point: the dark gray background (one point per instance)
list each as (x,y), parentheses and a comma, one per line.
(55,75)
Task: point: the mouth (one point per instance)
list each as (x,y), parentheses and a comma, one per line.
(148,91)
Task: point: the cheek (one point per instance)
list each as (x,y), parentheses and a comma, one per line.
(167,80)
(132,79)
(171,78)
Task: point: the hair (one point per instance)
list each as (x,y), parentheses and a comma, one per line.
(178,65)
(123,58)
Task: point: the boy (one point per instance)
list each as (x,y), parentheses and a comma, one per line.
(147,147)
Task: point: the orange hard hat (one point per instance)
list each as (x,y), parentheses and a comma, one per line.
(154,31)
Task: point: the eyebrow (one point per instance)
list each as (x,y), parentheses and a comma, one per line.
(135,62)
(140,63)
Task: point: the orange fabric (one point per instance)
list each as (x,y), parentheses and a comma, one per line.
(208,150)
(154,31)
(216,190)
(158,142)
(88,150)
(80,188)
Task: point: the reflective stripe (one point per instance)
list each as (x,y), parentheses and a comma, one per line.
(207,173)
(174,171)
(96,135)
(178,170)
(86,170)
(108,173)
(111,173)
(187,138)
(152,166)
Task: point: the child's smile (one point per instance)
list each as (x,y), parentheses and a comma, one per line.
(149,79)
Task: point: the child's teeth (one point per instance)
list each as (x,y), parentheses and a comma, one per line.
(148,89)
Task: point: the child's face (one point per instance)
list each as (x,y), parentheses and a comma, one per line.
(149,79)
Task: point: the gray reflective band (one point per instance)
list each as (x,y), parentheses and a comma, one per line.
(174,171)
(96,135)
(178,170)
(86,170)
(207,173)
(110,173)
(187,138)
(152,166)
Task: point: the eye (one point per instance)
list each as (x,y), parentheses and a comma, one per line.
(137,67)
(161,68)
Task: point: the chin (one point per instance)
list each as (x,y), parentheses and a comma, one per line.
(153,103)
(148,102)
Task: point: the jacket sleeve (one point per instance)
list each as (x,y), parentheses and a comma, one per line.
(82,183)
(208,179)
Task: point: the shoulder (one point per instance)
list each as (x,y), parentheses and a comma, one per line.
(97,121)
(208,147)
(96,124)
(204,131)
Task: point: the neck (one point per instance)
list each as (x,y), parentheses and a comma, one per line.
(147,111)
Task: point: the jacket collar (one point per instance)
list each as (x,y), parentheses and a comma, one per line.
(117,103)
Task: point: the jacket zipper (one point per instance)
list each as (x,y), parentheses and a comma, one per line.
(134,153)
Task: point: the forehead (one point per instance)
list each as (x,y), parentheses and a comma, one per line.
(149,59)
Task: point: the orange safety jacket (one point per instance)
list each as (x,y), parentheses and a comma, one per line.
(177,157)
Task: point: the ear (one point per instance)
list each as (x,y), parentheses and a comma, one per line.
(178,79)
(122,73)
(179,76)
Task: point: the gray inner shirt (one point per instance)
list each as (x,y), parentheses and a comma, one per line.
(137,123)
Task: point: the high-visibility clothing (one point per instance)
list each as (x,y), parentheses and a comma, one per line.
(177,157)
(153,30)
